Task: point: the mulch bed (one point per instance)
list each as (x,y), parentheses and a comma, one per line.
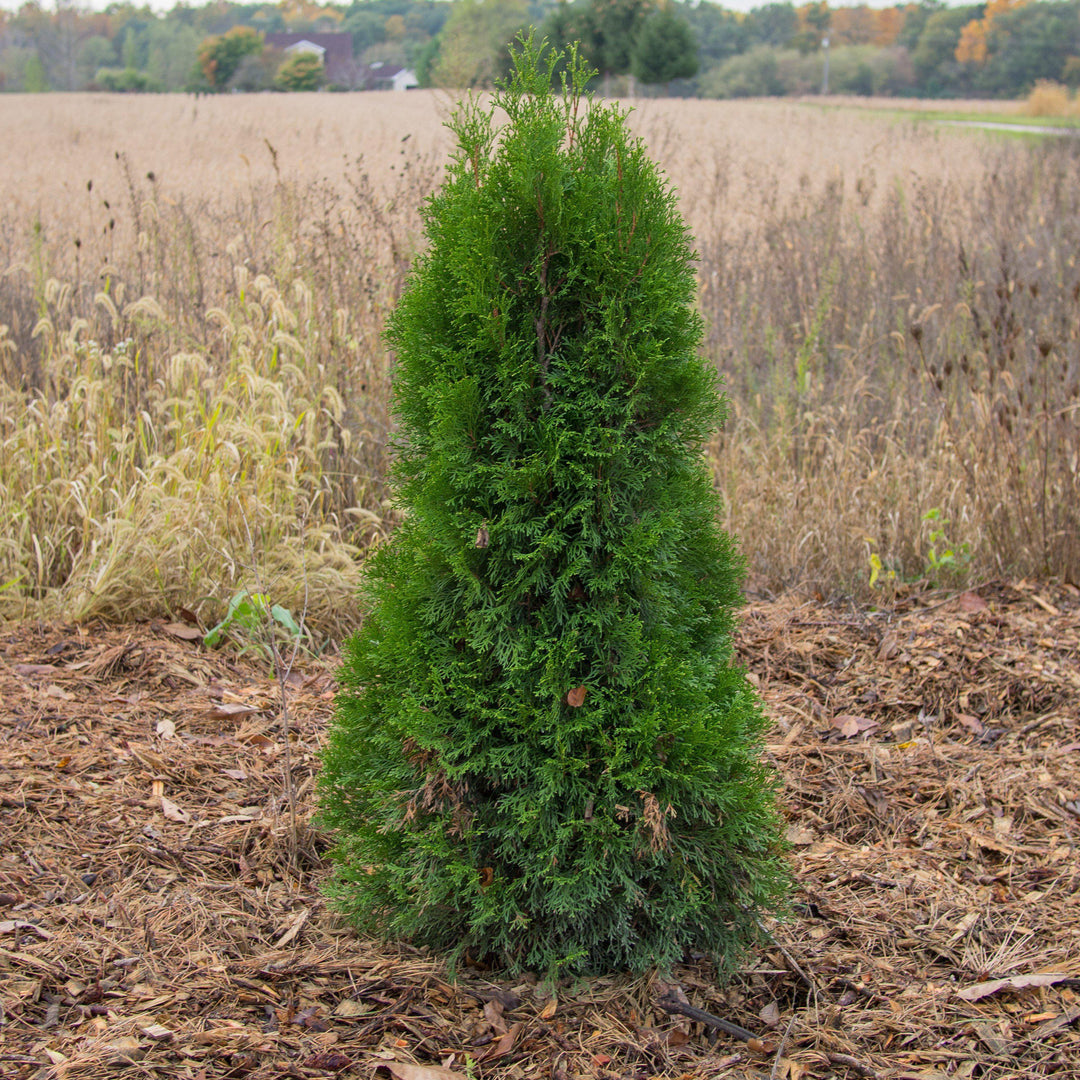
(160,915)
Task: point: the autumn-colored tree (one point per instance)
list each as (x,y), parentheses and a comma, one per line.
(972,47)
(814,22)
(864,25)
(304,13)
(220,55)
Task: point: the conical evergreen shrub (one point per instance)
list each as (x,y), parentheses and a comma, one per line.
(543,753)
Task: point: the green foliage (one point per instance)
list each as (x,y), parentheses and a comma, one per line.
(250,619)
(934,56)
(473,45)
(301,71)
(42,48)
(665,49)
(1032,42)
(610,32)
(753,74)
(543,752)
(773,24)
(124,80)
(720,33)
(942,554)
(35,81)
(93,54)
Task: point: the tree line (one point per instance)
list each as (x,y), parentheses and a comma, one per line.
(926,49)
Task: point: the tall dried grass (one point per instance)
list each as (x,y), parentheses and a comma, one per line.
(1049,98)
(190,344)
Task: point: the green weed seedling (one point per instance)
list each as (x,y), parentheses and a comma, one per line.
(249,618)
(943,556)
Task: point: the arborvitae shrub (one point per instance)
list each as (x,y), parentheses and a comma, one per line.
(543,753)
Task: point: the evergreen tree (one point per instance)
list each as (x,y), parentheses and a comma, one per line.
(665,49)
(543,752)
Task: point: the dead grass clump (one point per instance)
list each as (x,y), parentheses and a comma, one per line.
(166,397)
(1048,98)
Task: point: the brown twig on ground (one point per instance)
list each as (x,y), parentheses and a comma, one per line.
(854,1065)
(793,964)
(669,1004)
(780,1049)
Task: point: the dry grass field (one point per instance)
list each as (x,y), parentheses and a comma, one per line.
(194,400)
(194,387)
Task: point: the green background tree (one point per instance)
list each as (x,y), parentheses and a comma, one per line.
(473,43)
(300,71)
(665,49)
(543,751)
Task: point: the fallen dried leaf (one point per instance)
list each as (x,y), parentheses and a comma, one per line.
(327,1061)
(349,1008)
(576,697)
(493,1014)
(166,729)
(180,630)
(126,1048)
(403,1070)
(1055,1023)
(35,669)
(1014,982)
(972,723)
(548,1011)
(173,812)
(11,926)
(850,725)
(255,739)
(229,711)
(503,1045)
(293,928)
(970,601)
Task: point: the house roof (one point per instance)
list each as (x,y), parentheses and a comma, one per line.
(382,70)
(337,46)
(306,46)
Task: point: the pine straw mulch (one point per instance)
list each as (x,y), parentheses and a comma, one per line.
(156,921)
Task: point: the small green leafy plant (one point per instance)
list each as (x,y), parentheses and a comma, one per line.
(248,617)
(943,556)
